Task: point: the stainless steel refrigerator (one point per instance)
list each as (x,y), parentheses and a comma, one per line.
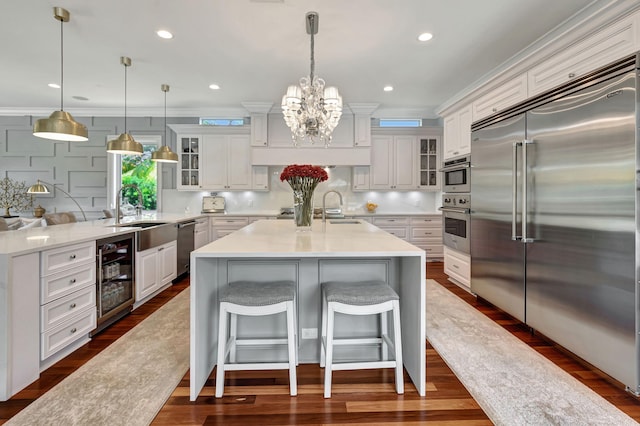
(553,219)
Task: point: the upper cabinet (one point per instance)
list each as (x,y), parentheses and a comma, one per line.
(429,162)
(504,96)
(393,164)
(612,42)
(457,133)
(215,159)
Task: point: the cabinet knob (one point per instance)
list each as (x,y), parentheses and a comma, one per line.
(73,330)
(494,109)
(72,281)
(571,75)
(73,256)
(71,306)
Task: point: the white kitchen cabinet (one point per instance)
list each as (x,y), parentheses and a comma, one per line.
(429,162)
(260,178)
(457,133)
(259,130)
(607,45)
(362,130)
(360,178)
(155,268)
(393,163)
(395,225)
(189,163)
(426,233)
(457,266)
(227,162)
(501,98)
(67,296)
(201,232)
(221,226)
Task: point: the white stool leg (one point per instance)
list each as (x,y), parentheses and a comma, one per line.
(384,331)
(323,331)
(291,343)
(233,333)
(329,351)
(222,343)
(397,343)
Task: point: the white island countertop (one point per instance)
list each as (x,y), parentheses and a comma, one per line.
(335,237)
(338,250)
(34,239)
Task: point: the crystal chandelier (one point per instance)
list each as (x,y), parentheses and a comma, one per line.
(311,110)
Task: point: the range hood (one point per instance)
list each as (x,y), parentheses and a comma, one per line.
(334,156)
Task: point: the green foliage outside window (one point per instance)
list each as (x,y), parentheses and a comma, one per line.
(139,170)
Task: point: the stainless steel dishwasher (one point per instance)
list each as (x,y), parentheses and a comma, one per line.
(185,245)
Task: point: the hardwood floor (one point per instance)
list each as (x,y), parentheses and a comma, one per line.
(359,397)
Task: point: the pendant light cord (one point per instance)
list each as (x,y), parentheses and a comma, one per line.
(125,98)
(166,142)
(61,66)
(313,61)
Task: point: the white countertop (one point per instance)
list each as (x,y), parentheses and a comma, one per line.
(29,240)
(278,238)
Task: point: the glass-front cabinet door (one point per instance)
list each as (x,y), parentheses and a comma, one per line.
(189,173)
(429,158)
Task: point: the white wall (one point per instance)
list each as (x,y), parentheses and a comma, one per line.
(280,196)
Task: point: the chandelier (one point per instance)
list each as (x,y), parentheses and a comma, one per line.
(310,110)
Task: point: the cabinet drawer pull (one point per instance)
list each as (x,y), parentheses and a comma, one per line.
(73,256)
(456,266)
(72,281)
(71,306)
(571,75)
(73,330)
(161,248)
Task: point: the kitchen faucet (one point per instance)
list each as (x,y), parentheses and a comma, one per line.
(324,197)
(138,207)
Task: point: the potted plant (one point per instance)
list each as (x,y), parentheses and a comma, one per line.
(13,195)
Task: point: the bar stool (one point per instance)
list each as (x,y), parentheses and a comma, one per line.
(360,298)
(255,299)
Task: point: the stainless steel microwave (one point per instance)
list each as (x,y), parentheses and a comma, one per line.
(456,174)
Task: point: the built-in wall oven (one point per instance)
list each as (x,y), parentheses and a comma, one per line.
(456,214)
(456,175)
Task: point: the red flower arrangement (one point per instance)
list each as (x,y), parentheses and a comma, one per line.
(303,171)
(303,179)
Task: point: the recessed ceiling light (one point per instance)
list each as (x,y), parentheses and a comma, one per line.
(425,37)
(54,85)
(388,88)
(214,87)
(164,34)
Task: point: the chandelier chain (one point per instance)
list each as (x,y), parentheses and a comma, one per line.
(61,66)
(313,61)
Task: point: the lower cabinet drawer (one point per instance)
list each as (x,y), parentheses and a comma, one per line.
(66,282)
(398,232)
(417,233)
(75,328)
(457,266)
(58,311)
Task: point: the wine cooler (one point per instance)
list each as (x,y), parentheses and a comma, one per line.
(115,278)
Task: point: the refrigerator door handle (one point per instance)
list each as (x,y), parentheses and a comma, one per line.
(514,192)
(525,144)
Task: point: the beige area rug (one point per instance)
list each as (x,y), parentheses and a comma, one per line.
(128,382)
(513,383)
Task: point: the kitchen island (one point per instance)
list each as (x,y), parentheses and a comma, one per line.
(338,250)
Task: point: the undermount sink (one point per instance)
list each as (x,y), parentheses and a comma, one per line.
(344,222)
(139,224)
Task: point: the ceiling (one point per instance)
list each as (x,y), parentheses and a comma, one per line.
(254,49)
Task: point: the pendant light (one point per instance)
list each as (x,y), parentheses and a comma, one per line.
(60,125)
(125,144)
(164,154)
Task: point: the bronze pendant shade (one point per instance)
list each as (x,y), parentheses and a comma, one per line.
(125,144)
(164,153)
(60,125)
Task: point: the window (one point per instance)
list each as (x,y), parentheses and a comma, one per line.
(222,122)
(400,122)
(138,170)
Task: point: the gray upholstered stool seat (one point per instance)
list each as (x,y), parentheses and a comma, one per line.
(359,293)
(360,298)
(250,293)
(255,299)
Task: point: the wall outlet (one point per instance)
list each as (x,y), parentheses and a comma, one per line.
(309,333)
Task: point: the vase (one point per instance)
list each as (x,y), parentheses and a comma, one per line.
(303,210)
